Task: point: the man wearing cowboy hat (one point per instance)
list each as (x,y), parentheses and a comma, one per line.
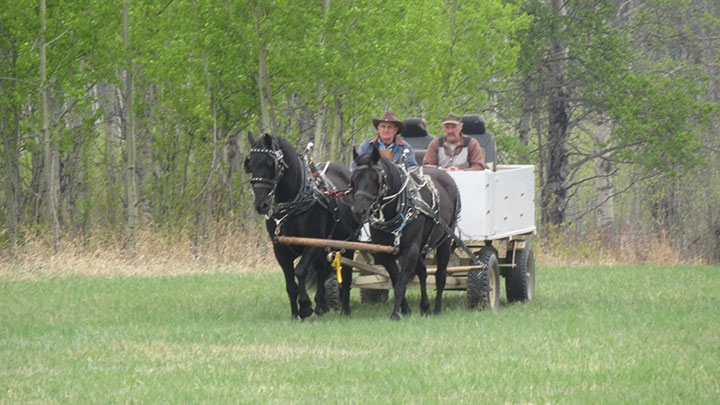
(389,128)
(454,151)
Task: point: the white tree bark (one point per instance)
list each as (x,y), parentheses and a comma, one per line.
(130,183)
(267,113)
(603,172)
(319,139)
(50,189)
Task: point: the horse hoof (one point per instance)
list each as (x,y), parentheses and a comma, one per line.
(395,316)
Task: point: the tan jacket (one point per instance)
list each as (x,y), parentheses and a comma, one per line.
(476,156)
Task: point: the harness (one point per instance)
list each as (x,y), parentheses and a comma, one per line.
(409,203)
(316,188)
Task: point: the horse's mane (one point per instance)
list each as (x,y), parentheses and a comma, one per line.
(285,145)
(392,171)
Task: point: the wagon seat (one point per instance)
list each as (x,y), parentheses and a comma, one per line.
(416,134)
(474,127)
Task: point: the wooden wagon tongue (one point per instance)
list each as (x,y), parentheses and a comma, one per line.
(336,244)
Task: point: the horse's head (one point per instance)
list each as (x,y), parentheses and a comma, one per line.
(265,162)
(368,184)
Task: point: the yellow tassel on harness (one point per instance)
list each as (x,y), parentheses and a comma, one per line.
(336,263)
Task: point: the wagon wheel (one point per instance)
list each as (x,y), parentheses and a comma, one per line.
(368,296)
(520,280)
(372,296)
(483,285)
(332,292)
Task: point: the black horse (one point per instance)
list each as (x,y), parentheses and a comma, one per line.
(298,201)
(403,212)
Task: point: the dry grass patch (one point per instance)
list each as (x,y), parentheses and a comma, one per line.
(227,250)
(557,248)
(154,255)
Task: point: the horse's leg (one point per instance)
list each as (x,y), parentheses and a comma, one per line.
(421,271)
(345,285)
(322,269)
(401,305)
(286,263)
(301,271)
(388,261)
(410,257)
(442,256)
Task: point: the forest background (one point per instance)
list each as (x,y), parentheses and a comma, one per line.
(124,124)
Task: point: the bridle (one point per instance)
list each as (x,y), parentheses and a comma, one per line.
(378,202)
(279,167)
(383,186)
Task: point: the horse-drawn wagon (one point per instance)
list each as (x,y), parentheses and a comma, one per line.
(496,224)
(490,239)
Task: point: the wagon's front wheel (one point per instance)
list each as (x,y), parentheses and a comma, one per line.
(332,292)
(483,285)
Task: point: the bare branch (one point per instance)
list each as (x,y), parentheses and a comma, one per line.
(600,153)
(613,195)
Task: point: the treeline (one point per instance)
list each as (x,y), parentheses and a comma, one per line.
(119,116)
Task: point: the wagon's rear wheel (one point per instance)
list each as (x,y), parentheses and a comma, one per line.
(483,285)
(374,296)
(371,296)
(520,280)
(332,292)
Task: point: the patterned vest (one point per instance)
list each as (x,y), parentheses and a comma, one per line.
(460,160)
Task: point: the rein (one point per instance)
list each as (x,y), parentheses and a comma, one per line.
(281,211)
(405,209)
(316,187)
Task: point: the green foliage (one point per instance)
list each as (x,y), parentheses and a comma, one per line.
(196,68)
(512,151)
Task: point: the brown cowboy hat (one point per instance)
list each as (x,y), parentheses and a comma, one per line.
(389,117)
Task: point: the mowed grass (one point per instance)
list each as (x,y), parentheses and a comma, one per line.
(644,334)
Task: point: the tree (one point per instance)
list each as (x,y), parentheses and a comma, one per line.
(582,69)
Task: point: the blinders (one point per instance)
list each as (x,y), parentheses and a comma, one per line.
(279,167)
(382,183)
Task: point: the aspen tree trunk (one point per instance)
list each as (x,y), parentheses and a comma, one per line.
(10,128)
(130,185)
(319,140)
(206,210)
(528,111)
(336,133)
(603,181)
(12,170)
(554,193)
(267,111)
(319,122)
(50,207)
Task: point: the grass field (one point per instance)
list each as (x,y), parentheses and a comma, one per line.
(641,334)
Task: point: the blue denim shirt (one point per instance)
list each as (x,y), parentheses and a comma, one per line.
(397,148)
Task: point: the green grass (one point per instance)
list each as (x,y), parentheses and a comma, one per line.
(643,334)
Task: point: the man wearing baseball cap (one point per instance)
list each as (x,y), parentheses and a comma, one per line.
(454,151)
(388,141)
